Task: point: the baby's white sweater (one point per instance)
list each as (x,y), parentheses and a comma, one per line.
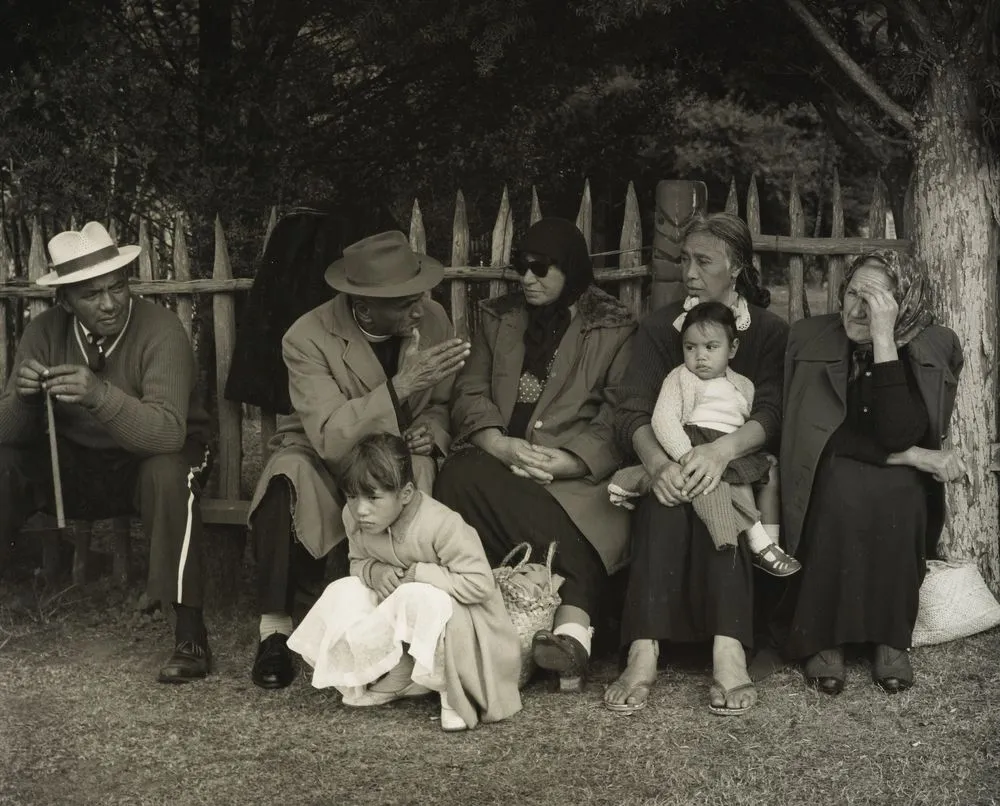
(722,404)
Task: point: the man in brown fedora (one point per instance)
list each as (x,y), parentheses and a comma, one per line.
(131,432)
(378,357)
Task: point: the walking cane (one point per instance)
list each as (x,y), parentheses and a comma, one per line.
(52,537)
(54,456)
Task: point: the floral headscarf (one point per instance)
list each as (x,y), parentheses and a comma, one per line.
(907,290)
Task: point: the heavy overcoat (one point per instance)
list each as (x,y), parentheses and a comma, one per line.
(817,362)
(574,410)
(339,393)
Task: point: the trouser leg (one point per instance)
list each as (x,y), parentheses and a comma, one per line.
(166,496)
(21,493)
(282,562)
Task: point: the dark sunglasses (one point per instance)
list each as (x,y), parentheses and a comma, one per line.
(538,265)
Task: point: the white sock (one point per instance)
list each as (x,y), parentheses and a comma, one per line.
(758,538)
(577,631)
(271,623)
(773,531)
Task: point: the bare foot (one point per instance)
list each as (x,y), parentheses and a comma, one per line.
(630,690)
(729,668)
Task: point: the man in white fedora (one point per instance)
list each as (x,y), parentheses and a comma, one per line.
(131,432)
(378,357)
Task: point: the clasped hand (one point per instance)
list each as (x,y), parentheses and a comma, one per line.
(698,472)
(537,462)
(945,465)
(419,440)
(386,578)
(67,383)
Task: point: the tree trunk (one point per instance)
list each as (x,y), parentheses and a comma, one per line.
(957,236)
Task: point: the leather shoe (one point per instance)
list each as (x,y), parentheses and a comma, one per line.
(562,654)
(825,671)
(273,667)
(191,661)
(891,669)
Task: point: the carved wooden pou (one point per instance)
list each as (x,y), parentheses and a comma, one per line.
(677,201)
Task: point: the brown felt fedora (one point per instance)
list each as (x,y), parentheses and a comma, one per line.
(384,265)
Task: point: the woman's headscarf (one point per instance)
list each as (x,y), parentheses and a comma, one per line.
(562,243)
(907,290)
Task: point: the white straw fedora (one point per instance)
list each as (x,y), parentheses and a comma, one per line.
(78,256)
(384,265)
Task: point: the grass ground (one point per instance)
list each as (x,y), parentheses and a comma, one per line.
(82,721)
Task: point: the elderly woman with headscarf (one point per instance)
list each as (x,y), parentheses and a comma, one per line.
(868,396)
(534,405)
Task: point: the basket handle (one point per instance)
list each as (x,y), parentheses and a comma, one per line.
(548,562)
(526,547)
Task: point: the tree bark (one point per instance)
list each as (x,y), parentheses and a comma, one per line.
(957,236)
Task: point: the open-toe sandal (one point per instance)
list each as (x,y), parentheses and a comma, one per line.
(640,688)
(727,693)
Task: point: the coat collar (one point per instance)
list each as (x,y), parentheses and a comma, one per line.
(595,308)
(401,527)
(829,344)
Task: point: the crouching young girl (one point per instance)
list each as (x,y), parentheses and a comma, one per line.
(421,611)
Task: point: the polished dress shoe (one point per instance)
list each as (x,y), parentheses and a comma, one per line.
(891,669)
(562,654)
(273,667)
(191,661)
(825,671)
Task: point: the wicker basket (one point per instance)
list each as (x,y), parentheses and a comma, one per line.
(954,603)
(529,612)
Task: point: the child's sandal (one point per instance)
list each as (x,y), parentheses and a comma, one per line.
(773,560)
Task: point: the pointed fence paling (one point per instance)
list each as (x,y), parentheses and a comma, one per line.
(796,264)
(173,281)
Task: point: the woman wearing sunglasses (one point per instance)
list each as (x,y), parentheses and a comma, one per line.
(532,420)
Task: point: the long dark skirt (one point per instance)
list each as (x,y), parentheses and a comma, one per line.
(506,510)
(680,587)
(862,558)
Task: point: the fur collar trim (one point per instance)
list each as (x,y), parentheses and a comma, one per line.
(596,308)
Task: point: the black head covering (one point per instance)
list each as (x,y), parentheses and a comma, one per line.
(563,244)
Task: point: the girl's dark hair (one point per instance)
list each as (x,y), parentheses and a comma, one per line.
(735,236)
(711,313)
(375,462)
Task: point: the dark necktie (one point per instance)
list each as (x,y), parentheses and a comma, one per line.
(95,356)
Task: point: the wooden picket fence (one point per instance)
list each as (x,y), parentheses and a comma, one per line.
(630,276)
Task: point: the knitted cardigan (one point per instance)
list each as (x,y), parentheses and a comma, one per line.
(677,400)
(146,402)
